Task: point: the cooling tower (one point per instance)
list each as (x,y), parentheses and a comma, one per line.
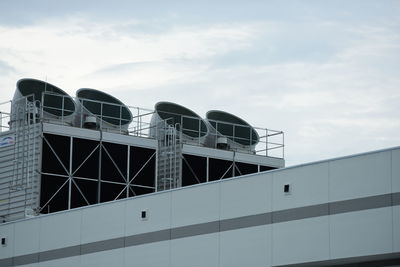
(100,110)
(192,126)
(228,131)
(57,105)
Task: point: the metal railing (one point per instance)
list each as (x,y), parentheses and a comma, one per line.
(5,116)
(240,137)
(137,121)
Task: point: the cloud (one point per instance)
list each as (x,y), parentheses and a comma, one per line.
(5,68)
(330,86)
(74,48)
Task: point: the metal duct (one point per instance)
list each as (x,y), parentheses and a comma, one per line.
(231,132)
(192,126)
(100,110)
(57,105)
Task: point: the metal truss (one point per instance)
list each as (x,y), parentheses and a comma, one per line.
(71,175)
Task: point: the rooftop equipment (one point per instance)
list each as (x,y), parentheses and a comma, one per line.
(99,110)
(46,168)
(57,105)
(192,127)
(231,132)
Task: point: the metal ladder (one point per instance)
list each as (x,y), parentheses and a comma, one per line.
(26,132)
(169,157)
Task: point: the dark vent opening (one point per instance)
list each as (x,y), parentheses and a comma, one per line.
(286,188)
(144,214)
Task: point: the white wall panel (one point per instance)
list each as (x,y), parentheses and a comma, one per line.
(65,262)
(351,234)
(246,196)
(300,241)
(148,255)
(60,230)
(103,222)
(396,170)
(195,205)
(396,229)
(250,247)
(309,186)
(196,251)
(26,237)
(158,208)
(361,233)
(360,176)
(7,231)
(109,258)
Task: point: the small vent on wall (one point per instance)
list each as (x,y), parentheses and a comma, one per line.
(144,215)
(286,189)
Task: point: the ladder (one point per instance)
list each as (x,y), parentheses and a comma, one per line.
(169,160)
(25,164)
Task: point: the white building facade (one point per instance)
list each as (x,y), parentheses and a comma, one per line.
(339,211)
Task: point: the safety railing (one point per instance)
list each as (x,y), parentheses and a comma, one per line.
(5,116)
(136,121)
(229,136)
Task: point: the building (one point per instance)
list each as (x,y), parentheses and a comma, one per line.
(82,194)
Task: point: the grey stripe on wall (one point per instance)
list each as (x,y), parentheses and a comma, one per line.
(300,213)
(374,202)
(145,238)
(396,199)
(245,221)
(387,259)
(59,253)
(332,208)
(195,229)
(25,259)
(103,245)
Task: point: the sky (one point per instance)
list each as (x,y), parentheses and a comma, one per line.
(327,73)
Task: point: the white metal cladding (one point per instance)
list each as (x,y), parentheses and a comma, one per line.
(19,170)
(243,221)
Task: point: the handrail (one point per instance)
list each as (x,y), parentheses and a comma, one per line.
(270,142)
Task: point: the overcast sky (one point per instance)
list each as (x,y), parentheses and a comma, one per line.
(327,73)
